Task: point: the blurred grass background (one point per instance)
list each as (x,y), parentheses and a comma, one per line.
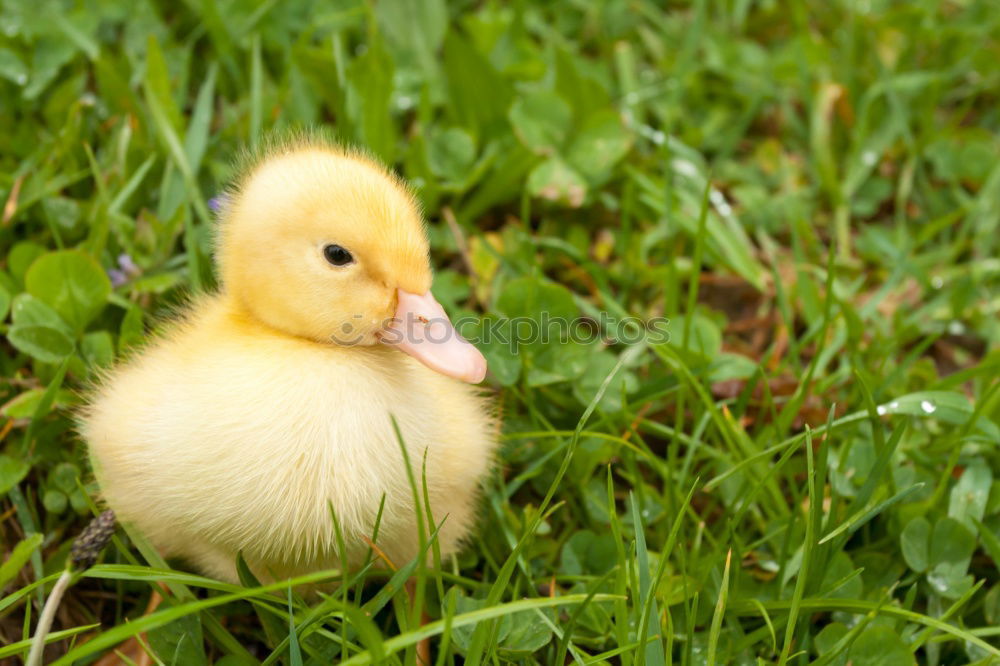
(808,191)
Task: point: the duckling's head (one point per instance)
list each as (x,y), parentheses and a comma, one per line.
(327,245)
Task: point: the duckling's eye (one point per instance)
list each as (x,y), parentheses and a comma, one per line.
(337,255)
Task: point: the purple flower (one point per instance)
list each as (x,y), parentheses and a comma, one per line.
(127,265)
(218,202)
(126,270)
(118,278)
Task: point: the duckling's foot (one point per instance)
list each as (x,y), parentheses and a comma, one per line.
(133,651)
(424,646)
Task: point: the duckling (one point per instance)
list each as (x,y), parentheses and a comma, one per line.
(269,410)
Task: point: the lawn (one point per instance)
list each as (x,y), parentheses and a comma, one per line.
(792,461)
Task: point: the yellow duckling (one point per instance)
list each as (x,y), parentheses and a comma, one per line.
(269,406)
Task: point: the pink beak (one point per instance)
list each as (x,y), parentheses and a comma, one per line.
(422,329)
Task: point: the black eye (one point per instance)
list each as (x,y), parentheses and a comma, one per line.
(337,255)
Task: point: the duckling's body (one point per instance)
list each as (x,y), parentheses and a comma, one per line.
(229,435)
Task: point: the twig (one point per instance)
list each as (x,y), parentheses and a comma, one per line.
(10,207)
(83,555)
(460,241)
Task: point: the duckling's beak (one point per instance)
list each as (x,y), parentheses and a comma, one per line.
(422,329)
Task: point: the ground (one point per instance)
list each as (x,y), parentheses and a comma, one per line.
(791,459)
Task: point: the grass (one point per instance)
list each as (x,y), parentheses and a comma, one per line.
(809,193)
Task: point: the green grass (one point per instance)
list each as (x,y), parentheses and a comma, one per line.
(809,192)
